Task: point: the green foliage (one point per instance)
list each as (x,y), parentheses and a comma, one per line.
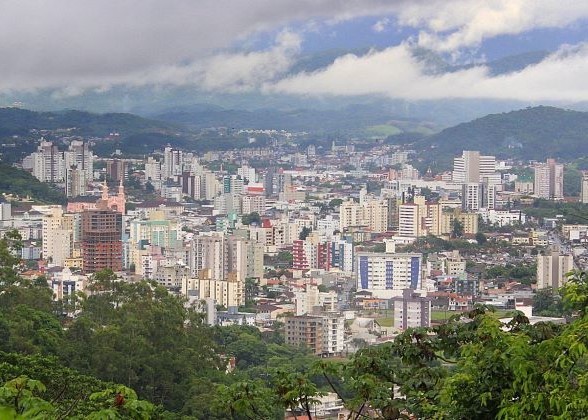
(457,229)
(304,233)
(21,183)
(572,181)
(547,303)
(532,133)
(481,238)
(69,391)
(20,398)
(526,274)
(574,213)
(246,399)
(575,292)
(10,246)
(335,202)
(248,219)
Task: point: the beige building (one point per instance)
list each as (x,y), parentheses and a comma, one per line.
(549,180)
(372,213)
(524,187)
(468,220)
(322,334)
(552,269)
(58,235)
(224,292)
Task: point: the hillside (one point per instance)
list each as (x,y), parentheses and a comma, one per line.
(532,133)
(15,121)
(347,119)
(20,130)
(19,182)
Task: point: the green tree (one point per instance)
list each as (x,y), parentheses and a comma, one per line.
(335,202)
(251,218)
(304,233)
(10,247)
(457,228)
(481,238)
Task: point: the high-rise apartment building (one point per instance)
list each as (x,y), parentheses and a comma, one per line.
(80,156)
(116,170)
(373,214)
(552,268)
(472,167)
(75,182)
(323,334)
(472,196)
(48,163)
(584,189)
(172,163)
(387,274)
(58,234)
(549,180)
(102,240)
(409,220)
(411,310)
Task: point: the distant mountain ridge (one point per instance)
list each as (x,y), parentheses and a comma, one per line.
(16,121)
(531,133)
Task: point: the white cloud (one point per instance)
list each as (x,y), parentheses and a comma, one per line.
(94,43)
(395,73)
(74,46)
(381,25)
(452,24)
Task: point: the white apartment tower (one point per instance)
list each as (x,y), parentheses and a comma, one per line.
(549,180)
(409,220)
(48,163)
(81,157)
(172,163)
(387,274)
(472,195)
(472,167)
(584,191)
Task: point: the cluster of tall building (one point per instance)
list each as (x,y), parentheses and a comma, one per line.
(89,239)
(316,252)
(479,179)
(75,166)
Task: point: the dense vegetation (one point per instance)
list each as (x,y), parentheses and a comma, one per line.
(573,213)
(140,337)
(21,129)
(532,133)
(15,121)
(21,183)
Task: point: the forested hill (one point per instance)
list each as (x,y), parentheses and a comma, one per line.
(532,133)
(15,121)
(20,130)
(18,182)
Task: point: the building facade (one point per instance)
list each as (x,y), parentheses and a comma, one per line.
(102,240)
(387,274)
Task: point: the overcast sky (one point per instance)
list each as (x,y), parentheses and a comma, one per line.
(250,45)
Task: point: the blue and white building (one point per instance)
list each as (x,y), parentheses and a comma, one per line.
(387,274)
